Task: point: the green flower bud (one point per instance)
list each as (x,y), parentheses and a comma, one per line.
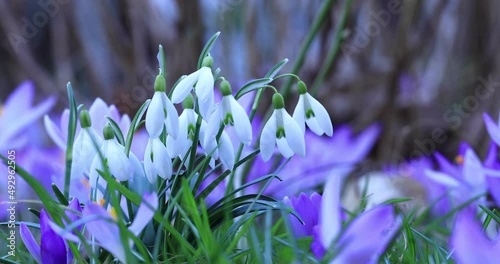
(188,102)
(85,120)
(108,132)
(225,88)
(160,84)
(301,86)
(208,61)
(278,101)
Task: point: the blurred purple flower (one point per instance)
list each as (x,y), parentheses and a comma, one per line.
(469,243)
(105,230)
(18,114)
(308,208)
(366,237)
(326,157)
(52,248)
(492,128)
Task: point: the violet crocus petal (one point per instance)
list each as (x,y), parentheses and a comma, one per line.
(492,128)
(442,178)
(52,247)
(104,230)
(308,209)
(30,242)
(473,170)
(469,243)
(74,210)
(368,236)
(145,213)
(330,221)
(54,132)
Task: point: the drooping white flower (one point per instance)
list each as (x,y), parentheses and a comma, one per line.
(84,150)
(161,112)
(157,161)
(226,151)
(230,112)
(187,125)
(202,81)
(309,111)
(114,156)
(282,130)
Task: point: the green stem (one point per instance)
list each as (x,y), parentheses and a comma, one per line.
(332,54)
(320,18)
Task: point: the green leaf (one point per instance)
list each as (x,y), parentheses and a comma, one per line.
(274,70)
(71,138)
(251,86)
(62,199)
(117,130)
(134,125)
(206,50)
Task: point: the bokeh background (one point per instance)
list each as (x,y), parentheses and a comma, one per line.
(424,70)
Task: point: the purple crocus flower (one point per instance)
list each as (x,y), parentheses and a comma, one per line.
(469,243)
(52,248)
(326,157)
(366,237)
(308,208)
(363,241)
(104,229)
(492,128)
(18,114)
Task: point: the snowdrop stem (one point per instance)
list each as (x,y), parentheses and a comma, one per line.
(287,75)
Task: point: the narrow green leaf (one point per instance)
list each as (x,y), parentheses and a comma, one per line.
(274,70)
(62,199)
(208,47)
(252,86)
(71,138)
(117,130)
(134,125)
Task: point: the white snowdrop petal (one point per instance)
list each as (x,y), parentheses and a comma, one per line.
(149,168)
(94,175)
(184,87)
(172,120)
(242,124)
(205,85)
(268,138)
(312,123)
(294,135)
(162,162)
(206,106)
(214,121)
(226,151)
(323,118)
(155,116)
(285,150)
(118,162)
(299,113)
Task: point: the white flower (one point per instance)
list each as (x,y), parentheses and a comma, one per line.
(226,151)
(230,112)
(202,81)
(312,113)
(161,112)
(84,151)
(157,161)
(114,155)
(282,130)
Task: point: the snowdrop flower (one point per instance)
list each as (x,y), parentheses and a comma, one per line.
(161,111)
(187,126)
(157,161)
(114,154)
(312,113)
(282,130)
(84,150)
(230,112)
(203,82)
